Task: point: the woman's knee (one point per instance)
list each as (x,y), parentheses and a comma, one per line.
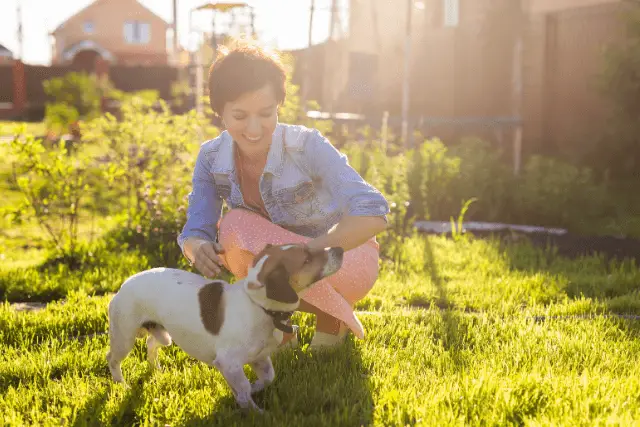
(248,230)
(234,225)
(231,221)
(359,275)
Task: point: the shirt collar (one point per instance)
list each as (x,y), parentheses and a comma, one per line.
(224,163)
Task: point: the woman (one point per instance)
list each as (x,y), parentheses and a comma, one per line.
(284,184)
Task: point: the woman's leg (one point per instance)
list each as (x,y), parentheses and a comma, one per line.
(244,234)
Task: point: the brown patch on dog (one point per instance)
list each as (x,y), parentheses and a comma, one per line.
(286,272)
(261,254)
(211,306)
(278,286)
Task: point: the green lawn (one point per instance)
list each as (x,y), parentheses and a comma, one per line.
(452,339)
(35,128)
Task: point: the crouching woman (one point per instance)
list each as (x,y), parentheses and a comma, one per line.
(284,184)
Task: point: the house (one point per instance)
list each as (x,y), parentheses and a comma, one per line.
(6,56)
(463,59)
(119,31)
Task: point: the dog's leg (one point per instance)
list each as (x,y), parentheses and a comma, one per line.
(152,351)
(232,371)
(158,337)
(265,373)
(120,344)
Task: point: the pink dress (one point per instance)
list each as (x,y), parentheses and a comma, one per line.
(243,234)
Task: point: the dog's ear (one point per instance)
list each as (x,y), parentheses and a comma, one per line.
(260,254)
(278,286)
(257,257)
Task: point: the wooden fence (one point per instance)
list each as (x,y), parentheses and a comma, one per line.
(22,95)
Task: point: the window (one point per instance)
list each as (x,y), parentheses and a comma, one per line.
(88,27)
(451,13)
(136,32)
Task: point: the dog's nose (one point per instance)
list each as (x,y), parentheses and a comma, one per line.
(337,252)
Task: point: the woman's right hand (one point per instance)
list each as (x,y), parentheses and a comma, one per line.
(204,256)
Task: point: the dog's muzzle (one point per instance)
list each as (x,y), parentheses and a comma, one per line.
(334,262)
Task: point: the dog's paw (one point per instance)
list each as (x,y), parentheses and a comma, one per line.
(250,406)
(257,387)
(118,379)
(122,384)
(255,409)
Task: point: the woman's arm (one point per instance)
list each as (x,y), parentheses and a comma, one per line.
(205,207)
(350,232)
(364,206)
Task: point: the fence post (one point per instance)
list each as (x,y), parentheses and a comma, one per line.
(384,130)
(19,88)
(517,104)
(101,69)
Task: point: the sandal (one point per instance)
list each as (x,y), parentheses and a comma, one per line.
(323,339)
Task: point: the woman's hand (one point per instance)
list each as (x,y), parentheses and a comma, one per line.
(203,254)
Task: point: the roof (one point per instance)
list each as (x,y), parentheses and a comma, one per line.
(5,51)
(90,5)
(71,51)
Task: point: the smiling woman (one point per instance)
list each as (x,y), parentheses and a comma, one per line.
(285,184)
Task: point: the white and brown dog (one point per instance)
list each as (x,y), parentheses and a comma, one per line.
(223,325)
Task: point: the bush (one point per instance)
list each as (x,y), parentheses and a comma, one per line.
(432,172)
(81,91)
(552,192)
(146,159)
(438,181)
(59,117)
(53,185)
(618,150)
(483,175)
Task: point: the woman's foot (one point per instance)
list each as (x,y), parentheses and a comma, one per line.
(289,340)
(325,339)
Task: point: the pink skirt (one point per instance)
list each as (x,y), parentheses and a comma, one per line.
(244,234)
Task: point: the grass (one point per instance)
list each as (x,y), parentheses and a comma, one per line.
(34,128)
(468,332)
(453,338)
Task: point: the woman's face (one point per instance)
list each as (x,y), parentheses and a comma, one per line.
(251,120)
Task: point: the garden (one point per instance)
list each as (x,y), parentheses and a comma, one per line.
(462,328)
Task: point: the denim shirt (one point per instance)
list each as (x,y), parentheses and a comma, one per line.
(307,185)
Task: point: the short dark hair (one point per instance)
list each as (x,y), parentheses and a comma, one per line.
(244,69)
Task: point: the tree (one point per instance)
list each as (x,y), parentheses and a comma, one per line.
(619,150)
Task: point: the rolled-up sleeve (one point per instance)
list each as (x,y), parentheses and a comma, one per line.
(356,196)
(205,206)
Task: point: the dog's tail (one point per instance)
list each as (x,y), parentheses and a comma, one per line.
(157,331)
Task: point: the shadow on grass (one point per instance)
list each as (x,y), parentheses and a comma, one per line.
(320,387)
(125,415)
(601,268)
(450,317)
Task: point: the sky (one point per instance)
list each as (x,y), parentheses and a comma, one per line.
(40,17)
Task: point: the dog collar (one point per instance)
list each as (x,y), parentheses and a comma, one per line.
(280,318)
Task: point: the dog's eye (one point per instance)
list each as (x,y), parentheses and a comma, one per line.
(307,260)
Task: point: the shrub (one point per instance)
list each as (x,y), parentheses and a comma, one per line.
(555,193)
(53,185)
(483,175)
(146,159)
(437,181)
(81,91)
(618,150)
(432,171)
(59,117)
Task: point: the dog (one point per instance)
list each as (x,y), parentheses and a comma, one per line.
(226,326)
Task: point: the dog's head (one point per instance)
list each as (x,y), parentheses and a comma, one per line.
(284,271)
